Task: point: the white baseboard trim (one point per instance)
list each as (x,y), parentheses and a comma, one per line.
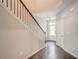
(67,51)
(34,52)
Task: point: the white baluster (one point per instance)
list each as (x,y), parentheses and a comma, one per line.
(24,15)
(5,2)
(13,6)
(16,7)
(9,4)
(21,11)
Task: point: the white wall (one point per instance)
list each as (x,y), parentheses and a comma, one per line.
(16,40)
(67,36)
(42,23)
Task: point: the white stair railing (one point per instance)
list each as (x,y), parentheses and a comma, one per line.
(19,9)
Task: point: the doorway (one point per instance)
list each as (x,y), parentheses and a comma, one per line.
(51,30)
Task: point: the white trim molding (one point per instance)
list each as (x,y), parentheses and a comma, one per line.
(67,50)
(26,57)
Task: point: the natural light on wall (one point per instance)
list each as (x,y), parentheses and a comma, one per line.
(52,28)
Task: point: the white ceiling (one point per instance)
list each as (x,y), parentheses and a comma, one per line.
(43,8)
(46,8)
(37,6)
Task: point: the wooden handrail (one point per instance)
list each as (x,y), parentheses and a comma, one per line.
(31,15)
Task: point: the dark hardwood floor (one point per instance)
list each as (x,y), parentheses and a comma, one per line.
(52,51)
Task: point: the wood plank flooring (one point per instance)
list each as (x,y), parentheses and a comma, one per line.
(52,51)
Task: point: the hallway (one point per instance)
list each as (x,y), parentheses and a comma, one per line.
(38,29)
(52,51)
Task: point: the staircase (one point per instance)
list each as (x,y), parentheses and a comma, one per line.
(18,9)
(29,42)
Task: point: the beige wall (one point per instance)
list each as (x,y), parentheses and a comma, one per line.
(67,36)
(16,40)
